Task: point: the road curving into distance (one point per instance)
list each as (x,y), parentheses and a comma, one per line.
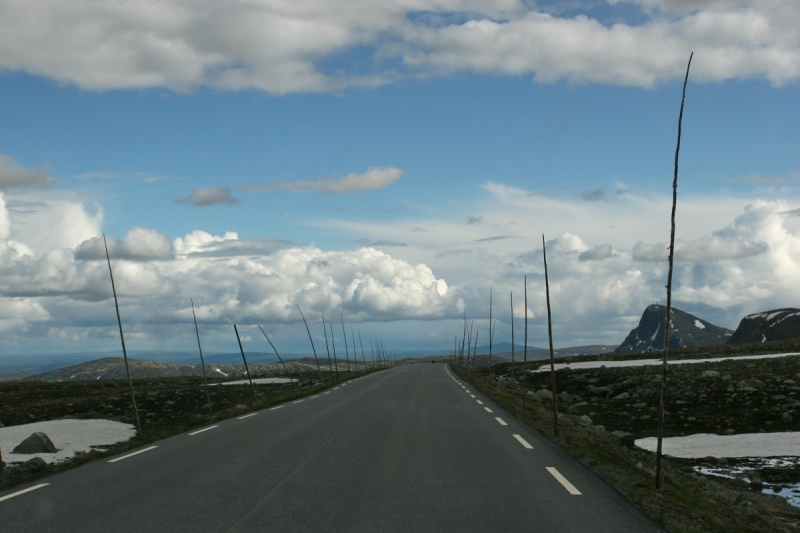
(408,449)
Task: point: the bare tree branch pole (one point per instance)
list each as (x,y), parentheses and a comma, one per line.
(550,335)
(325,330)
(346,350)
(202,362)
(363,358)
(335,363)
(513,379)
(279,359)
(319,369)
(491,338)
(122,339)
(662,403)
(525,348)
(247,368)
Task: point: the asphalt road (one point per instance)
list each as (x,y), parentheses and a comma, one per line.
(409,449)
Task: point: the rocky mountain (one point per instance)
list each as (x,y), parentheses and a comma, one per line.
(114,368)
(686,331)
(775,325)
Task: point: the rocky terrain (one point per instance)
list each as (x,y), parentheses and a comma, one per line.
(686,331)
(603,410)
(779,324)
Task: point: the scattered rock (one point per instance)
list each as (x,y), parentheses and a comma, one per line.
(543,394)
(36,443)
(31,466)
(240,406)
(623,396)
(710,374)
(623,438)
(567,397)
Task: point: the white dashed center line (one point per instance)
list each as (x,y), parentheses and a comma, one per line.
(472,395)
(298,401)
(317,396)
(336,388)
(245,416)
(273,408)
(132,454)
(9,496)
(328,392)
(523,442)
(488,410)
(479,402)
(500,421)
(202,430)
(561,479)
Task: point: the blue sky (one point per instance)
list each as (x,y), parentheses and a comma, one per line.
(562,122)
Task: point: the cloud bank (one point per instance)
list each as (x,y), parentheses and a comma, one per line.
(283,46)
(206,196)
(373,179)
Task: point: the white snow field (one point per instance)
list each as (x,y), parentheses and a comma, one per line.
(256,381)
(744,445)
(69,436)
(654,362)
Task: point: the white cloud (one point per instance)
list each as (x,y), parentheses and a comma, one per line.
(140,244)
(283,46)
(598,253)
(206,196)
(373,179)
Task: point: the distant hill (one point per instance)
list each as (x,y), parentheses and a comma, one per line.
(686,331)
(114,368)
(776,325)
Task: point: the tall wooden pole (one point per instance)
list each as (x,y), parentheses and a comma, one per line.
(325,329)
(513,380)
(525,348)
(281,360)
(333,343)
(319,369)
(246,368)
(491,338)
(362,350)
(663,401)
(202,362)
(550,335)
(122,339)
(346,350)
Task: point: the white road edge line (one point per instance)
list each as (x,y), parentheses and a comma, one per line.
(561,479)
(273,408)
(132,454)
(39,486)
(488,410)
(523,442)
(500,421)
(202,430)
(245,416)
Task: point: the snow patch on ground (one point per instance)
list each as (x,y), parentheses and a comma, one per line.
(256,381)
(699,324)
(68,436)
(653,362)
(744,445)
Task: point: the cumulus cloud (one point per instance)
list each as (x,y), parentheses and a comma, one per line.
(206,196)
(598,253)
(15,176)
(373,179)
(473,219)
(594,195)
(139,244)
(284,46)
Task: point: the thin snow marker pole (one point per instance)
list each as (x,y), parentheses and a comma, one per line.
(122,339)
(346,350)
(247,368)
(550,335)
(281,360)
(663,401)
(319,369)
(202,362)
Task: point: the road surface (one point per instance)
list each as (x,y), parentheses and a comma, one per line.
(408,449)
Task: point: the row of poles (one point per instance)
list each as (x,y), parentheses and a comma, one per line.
(380,356)
(463,359)
(459,350)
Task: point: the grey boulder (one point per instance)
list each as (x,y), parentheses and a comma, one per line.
(36,443)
